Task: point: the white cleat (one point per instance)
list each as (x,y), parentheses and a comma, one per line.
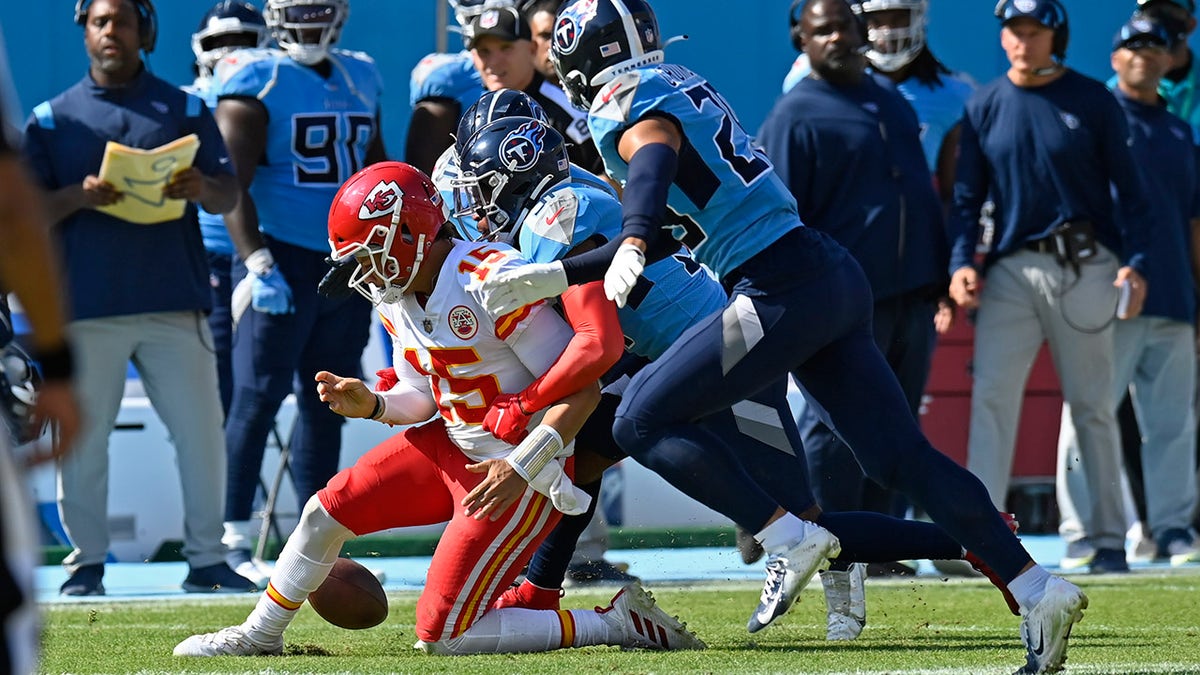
(231,641)
(1046,628)
(789,572)
(644,625)
(845,602)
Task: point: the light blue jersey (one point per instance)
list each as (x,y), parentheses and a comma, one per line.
(212,225)
(446,76)
(799,70)
(939,108)
(675,292)
(318,133)
(726,200)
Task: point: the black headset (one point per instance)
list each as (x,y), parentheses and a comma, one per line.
(147,21)
(1062,29)
(796,12)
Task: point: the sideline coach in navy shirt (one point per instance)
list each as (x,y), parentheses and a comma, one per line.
(138,292)
(1048,145)
(1155,352)
(847,144)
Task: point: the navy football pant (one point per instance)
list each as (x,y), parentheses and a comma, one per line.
(904,333)
(278,354)
(220,322)
(804,305)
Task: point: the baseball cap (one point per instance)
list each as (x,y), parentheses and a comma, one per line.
(501,22)
(1189,5)
(1141,31)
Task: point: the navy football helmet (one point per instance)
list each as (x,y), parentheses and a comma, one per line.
(506,167)
(494,105)
(1049,13)
(596,40)
(307,29)
(227,26)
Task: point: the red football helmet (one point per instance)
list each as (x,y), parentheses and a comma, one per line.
(389,208)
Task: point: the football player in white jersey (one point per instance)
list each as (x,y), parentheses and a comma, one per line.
(453,358)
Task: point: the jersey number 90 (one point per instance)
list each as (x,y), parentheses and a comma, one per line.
(328,148)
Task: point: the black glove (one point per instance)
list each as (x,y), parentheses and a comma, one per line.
(336,282)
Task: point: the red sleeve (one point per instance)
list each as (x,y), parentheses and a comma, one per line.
(596,346)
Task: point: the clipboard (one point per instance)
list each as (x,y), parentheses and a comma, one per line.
(141,176)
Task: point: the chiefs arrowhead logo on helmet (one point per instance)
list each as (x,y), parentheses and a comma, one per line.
(384,198)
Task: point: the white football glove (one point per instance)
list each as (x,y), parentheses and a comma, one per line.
(506,292)
(623,273)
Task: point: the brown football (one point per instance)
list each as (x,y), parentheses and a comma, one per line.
(350,597)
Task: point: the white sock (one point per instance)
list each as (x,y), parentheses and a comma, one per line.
(782,534)
(515,630)
(1029,587)
(303,564)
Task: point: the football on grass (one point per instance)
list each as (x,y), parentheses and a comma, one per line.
(350,597)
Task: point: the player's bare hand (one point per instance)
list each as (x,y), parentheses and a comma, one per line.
(56,403)
(965,287)
(943,319)
(502,487)
(187,184)
(346,396)
(98,192)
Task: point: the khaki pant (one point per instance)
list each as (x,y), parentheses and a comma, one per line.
(1029,298)
(173,354)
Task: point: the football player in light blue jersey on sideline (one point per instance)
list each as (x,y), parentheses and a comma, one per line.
(226,27)
(441,88)
(799,303)
(896,31)
(299,121)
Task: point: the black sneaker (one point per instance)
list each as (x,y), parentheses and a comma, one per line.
(597,572)
(1109,561)
(218,578)
(85,581)
(747,546)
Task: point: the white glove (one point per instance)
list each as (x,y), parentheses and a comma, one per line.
(623,273)
(506,292)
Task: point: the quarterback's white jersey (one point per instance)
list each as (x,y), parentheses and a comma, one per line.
(465,357)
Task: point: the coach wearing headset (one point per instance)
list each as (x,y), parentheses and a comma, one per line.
(1047,144)
(138,291)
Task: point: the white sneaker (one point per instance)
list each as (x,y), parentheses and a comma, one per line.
(845,602)
(1144,549)
(254,569)
(1046,628)
(644,625)
(789,572)
(1079,554)
(231,641)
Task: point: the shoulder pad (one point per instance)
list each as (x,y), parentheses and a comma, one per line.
(553,217)
(614,101)
(245,71)
(430,63)
(352,55)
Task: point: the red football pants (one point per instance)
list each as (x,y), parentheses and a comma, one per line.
(418,477)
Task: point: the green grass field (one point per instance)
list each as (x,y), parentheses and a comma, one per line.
(1141,623)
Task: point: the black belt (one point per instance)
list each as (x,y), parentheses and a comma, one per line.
(1043,245)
